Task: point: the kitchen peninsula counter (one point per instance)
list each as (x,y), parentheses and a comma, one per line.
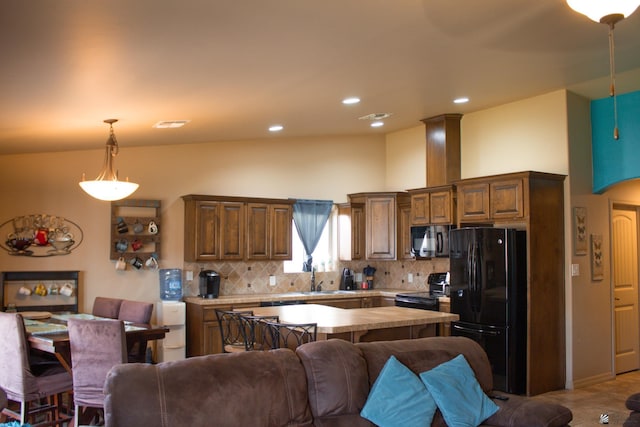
(203,333)
(361,324)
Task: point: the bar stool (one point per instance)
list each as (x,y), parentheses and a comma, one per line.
(287,335)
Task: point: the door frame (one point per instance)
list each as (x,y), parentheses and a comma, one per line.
(620,205)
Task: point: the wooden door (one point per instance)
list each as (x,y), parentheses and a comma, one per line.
(625,288)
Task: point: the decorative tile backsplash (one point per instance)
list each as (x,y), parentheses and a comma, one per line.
(241,278)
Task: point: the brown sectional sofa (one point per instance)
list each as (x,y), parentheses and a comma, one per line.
(323,384)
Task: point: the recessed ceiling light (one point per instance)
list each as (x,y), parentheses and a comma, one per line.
(276,128)
(377,124)
(351,100)
(170,124)
(461,100)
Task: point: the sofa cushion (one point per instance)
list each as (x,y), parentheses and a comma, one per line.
(518,411)
(457,393)
(399,398)
(423,354)
(633,402)
(337,382)
(265,389)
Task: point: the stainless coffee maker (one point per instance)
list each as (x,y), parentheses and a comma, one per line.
(209,284)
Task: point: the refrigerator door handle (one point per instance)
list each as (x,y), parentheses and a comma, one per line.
(477,331)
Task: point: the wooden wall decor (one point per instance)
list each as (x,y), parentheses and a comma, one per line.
(580,242)
(597,266)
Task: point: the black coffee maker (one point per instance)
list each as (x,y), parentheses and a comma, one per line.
(209,284)
(346,280)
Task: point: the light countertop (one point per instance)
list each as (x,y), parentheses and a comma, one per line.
(293,296)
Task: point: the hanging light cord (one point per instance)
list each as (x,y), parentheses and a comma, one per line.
(612,86)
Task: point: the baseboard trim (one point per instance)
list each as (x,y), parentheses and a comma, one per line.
(596,379)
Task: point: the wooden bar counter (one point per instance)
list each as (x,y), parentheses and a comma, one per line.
(361,324)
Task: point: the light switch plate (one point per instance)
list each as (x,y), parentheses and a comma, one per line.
(410,278)
(272,280)
(189,275)
(575,270)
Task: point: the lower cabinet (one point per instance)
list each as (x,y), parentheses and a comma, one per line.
(341,302)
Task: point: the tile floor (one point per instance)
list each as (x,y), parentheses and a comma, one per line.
(587,403)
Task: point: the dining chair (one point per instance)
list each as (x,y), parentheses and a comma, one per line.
(136,312)
(96,346)
(38,393)
(287,335)
(232,333)
(106,307)
(253,331)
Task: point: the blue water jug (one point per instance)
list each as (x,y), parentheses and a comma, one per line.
(170,284)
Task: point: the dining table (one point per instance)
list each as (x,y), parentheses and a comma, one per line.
(48,332)
(361,324)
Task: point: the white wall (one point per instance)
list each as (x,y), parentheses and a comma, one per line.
(322,168)
(526,135)
(406,156)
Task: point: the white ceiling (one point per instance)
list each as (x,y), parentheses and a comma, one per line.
(234,67)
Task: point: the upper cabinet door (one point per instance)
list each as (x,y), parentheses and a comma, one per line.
(257,231)
(201,233)
(381,227)
(280,223)
(269,231)
(507,199)
(420,209)
(473,202)
(232,227)
(441,207)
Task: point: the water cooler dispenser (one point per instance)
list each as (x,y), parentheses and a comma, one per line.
(171,312)
(172,315)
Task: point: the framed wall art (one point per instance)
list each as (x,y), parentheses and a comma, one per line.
(597,267)
(580,243)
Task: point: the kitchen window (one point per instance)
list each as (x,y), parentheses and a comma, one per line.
(324,255)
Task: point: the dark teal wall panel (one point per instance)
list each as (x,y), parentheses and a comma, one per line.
(615,160)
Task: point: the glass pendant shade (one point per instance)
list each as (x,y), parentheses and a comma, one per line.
(598,9)
(107,186)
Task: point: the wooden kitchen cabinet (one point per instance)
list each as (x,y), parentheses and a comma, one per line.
(236,228)
(269,231)
(351,231)
(375,226)
(432,205)
(492,198)
(214,230)
(404,229)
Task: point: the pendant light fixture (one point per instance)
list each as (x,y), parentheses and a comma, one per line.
(106,186)
(608,12)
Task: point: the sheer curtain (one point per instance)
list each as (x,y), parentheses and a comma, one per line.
(310,218)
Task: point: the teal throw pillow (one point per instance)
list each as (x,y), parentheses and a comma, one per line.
(458,394)
(398,398)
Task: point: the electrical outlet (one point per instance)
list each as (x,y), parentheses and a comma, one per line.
(189,275)
(410,278)
(272,280)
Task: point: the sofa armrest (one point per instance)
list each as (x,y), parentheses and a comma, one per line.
(517,411)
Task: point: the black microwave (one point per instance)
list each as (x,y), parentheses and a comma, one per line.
(430,241)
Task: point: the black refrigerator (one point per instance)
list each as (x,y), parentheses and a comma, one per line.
(488,290)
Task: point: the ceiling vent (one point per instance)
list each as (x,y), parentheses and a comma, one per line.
(169,124)
(375,116)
